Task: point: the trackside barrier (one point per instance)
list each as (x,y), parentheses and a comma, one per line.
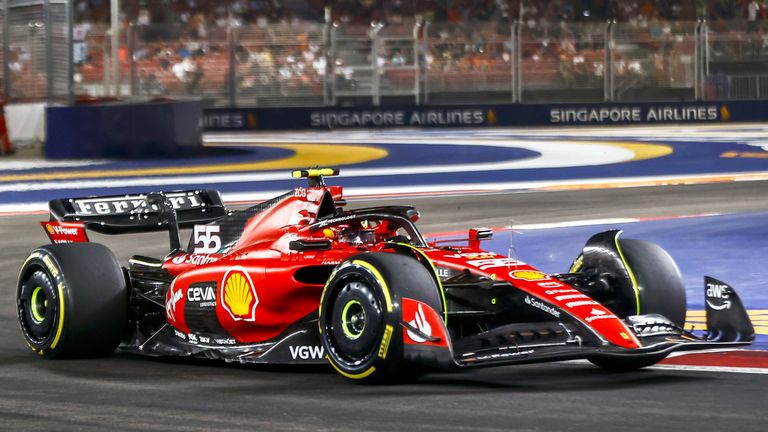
(124,130)
(452,116)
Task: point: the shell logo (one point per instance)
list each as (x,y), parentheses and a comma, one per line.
(529,275)
(238,295)
(49,228)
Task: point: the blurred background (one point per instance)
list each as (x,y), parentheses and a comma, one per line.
(313,53)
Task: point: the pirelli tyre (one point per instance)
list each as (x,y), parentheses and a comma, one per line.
(72,301)
(659,289)
(360,315)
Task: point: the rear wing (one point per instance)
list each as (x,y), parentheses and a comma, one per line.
(121,214)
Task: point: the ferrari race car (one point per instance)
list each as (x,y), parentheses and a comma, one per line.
(299,279)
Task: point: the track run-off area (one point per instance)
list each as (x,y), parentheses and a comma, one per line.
(701,192)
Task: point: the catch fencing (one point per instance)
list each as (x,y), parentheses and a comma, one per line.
(418,62)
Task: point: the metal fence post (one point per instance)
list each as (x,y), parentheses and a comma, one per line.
(376,78)
(6,52)
(328,59)
(331,72)
(697,60)
(115,66)
(130,34)
(416,62)
(70,54)
(425,50)
(518,61)
(512,62)
(607,62)
(232,42)
(48,50)
(705,68)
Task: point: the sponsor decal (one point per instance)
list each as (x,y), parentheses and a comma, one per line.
(420,322)
(561,291)
(225,341)
(571,297)
(192,338)
(207,237)
(306,352)
(238,295)
(719,294)
(485,264)
(443,272)
(65,232)
(473,255)
(550,284)
(638,114)
(574,304)
(203,294)
(219,119)
(132,204)
(170,303)
(179,334)
(498,356)
(385,117)
(194,259)
(388,329)
(51,267)
(528,275)
(542,306)
(597,314)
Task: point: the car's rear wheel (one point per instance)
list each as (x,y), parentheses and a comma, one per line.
(360,315)
(72,301)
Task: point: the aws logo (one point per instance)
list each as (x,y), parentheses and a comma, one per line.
(238,295)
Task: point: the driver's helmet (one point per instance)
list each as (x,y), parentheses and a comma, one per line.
(357,237)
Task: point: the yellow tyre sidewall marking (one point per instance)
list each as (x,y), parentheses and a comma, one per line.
(47,261)
(379,278)
(60,327)
(629,270)
(437,278)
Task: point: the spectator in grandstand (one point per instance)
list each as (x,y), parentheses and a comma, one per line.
(188,73)
(755,40)
(149,84)
(752,9)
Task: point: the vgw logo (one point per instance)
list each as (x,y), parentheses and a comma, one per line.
(306,352)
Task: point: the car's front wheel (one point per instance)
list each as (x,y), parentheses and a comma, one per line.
(360,315)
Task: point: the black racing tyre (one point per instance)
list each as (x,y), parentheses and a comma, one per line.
(360,315)
(72,301)
(659,282)
(660,290)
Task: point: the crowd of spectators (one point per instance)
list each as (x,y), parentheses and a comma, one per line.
(182,46)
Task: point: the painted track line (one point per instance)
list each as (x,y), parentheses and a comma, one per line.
(721,369)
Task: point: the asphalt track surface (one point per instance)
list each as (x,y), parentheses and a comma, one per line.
(125,392)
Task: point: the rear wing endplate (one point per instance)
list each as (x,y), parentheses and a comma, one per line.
(119,214)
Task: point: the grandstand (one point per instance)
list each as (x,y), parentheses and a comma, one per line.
(315,52)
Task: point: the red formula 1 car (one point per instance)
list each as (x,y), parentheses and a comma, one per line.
(298,279)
